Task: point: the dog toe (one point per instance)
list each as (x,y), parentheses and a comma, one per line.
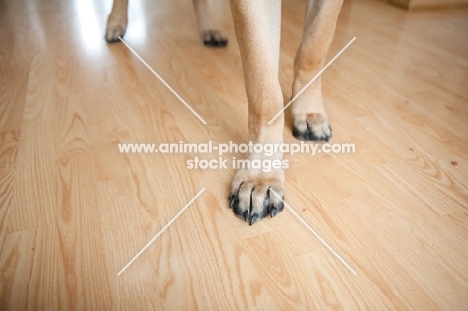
(112,35)
(214,38)
(314,128)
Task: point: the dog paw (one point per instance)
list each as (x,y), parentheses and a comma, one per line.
(313,127)
(252,197)
(116,26)
(214,38)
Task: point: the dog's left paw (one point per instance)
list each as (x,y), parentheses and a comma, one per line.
(312,127)
(214,38)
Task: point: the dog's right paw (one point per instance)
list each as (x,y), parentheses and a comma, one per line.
(116,26)
(252,197)
(214,38)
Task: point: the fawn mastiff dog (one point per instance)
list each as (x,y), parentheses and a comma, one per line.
(257,25)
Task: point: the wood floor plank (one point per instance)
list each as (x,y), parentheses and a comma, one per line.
(81,275)
(13,90)
(29,268)
(34,201)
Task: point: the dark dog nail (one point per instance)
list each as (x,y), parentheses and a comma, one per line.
(253,219)
(273,212)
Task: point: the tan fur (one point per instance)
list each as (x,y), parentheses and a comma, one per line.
(257,25)
(206,24)
(308,109)
(209,32)
(117,20)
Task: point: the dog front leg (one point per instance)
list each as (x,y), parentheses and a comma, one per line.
(257,25)
(310,118)
(117,21)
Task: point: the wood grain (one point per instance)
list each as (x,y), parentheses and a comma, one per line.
(74,211)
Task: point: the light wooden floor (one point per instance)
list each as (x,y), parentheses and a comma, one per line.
(74,210)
